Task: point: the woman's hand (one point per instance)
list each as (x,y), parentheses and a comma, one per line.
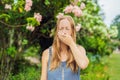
(65,38)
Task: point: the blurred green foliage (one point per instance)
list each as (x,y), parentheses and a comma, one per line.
(116,24)
(26,73)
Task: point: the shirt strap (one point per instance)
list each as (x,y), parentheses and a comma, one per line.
(50,54)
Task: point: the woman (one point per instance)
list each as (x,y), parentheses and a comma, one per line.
(64,59)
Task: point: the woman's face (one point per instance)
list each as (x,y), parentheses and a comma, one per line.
(65,27)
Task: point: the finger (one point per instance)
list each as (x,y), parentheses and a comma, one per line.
(60,33)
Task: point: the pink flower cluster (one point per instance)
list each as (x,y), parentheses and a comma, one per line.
(8,6)
(78,27)
(38,17)
(30,28)
(28,5)
(68,9)
(77,11)
(60,15)
(82,6)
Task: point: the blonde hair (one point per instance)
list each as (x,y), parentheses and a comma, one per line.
(55,60)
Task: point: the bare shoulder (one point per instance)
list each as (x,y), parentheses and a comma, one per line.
(81,48)
(45,55)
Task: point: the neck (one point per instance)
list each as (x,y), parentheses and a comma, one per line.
(63,47)
(63,52)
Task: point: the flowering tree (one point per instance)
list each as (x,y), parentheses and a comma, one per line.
(116,23)
(89,26)
(15,21)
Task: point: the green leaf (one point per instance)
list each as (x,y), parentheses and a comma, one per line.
(43,31)
(47,2)
(11,51)
(33,21)
(24,42)
(5,16)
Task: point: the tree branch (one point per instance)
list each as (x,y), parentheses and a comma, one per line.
(13,26)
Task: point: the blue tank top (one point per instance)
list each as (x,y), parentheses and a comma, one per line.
(62,72)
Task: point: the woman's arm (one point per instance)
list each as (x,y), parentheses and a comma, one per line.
(79,54)
(44,65)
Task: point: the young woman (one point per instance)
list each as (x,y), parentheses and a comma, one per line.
(64,59)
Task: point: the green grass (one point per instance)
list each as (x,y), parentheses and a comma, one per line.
(114,67)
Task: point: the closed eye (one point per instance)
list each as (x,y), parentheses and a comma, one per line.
(67,29)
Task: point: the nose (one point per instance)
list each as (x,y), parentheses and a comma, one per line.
(64,31)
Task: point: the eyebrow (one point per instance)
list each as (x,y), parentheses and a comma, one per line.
(65,26)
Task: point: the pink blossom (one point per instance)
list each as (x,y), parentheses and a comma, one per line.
(75,2)
(30,28)
(82,6)
(27,8)
(78,27)
(68,9)
(38,17)
(29,2)
(8,6)
(28,5)
(77,11)
(60,15)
